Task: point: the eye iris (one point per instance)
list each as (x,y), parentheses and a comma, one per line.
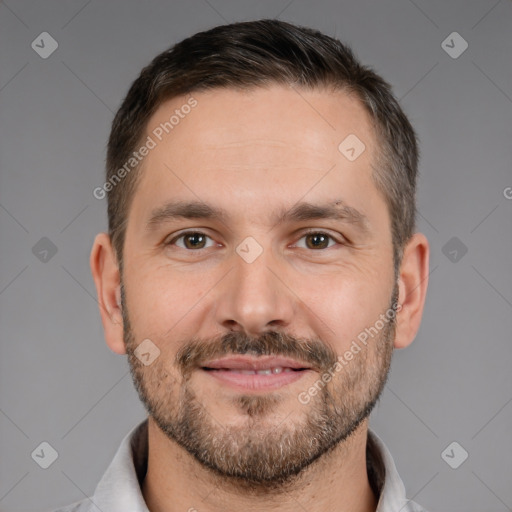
(319,241)
(194,240)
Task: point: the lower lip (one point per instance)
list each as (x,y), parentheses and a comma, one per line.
(256,382)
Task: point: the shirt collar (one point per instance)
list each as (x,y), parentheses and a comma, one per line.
(384,477)
(119,490)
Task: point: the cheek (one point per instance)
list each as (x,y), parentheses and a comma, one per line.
(347,305)
(159,299)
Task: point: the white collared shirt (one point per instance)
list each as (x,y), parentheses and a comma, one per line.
(119,490)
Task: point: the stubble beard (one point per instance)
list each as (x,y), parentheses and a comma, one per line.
(255,454)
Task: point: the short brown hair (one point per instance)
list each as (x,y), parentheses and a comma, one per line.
(262,53)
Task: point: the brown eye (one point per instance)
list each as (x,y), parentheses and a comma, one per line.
(316,240)
(194,240)
(191,240)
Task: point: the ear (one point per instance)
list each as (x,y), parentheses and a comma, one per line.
(412,286)
(107,279)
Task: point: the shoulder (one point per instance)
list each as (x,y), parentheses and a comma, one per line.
(80,506)
(412,506)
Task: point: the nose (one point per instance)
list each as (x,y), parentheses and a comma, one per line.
(254,297)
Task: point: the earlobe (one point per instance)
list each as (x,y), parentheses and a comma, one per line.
(107,279)
(412,287)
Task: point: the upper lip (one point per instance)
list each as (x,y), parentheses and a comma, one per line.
(254,363)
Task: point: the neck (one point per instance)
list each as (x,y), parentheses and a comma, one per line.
(175,481)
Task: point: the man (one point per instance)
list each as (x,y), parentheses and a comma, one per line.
(261,265)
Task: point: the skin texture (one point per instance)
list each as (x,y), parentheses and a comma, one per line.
(257,154)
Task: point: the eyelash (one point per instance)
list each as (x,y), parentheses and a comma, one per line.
(310,232)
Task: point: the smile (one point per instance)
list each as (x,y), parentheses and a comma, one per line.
(264,373)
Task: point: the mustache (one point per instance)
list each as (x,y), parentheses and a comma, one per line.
(316,353)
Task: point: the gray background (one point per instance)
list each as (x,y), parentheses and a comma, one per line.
(58,380)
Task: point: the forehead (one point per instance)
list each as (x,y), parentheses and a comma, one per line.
(244,148)
(264,125)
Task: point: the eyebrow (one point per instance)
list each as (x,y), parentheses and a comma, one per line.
(336,210)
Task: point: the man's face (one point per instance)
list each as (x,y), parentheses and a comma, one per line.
(219,295)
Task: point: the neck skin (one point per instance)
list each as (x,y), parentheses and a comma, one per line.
(175,481)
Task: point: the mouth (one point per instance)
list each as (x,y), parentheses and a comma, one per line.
(262,373)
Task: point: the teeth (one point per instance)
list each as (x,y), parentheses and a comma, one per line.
(266,371)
